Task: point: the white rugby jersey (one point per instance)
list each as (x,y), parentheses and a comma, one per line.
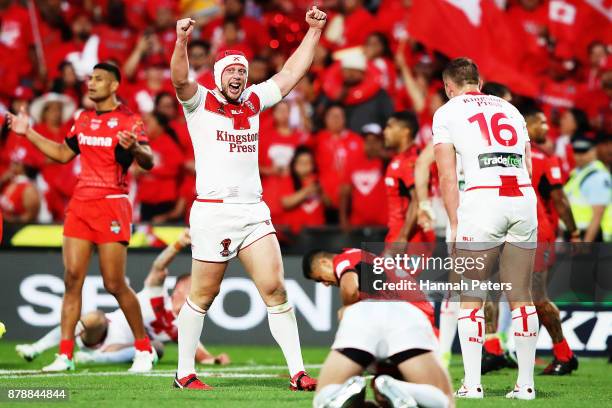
(490,136)
(157,316)
(225,140)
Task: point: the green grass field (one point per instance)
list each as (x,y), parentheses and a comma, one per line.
(257,378)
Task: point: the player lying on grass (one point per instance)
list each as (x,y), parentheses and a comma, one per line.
(107,338)
(399,333)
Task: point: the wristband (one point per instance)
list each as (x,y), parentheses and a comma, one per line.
(178,247)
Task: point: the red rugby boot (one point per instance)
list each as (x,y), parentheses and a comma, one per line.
(302,382)
(190,382)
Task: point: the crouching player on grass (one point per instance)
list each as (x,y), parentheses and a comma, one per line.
(107,338)
(397,332)
(228,218)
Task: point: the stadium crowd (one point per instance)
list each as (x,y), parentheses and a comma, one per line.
(322,151)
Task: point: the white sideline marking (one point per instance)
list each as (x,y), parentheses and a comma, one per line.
(226,372)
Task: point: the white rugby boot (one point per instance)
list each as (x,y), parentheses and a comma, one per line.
(27,351)
(347,395)
(61,363)
(523,392)
(473,392)
(144,361)
(395,396)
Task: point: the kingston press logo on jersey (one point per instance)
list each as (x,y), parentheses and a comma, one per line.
(500,160)
(237,143)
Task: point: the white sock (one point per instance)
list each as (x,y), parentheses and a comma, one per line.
(49,340)
(283,327)
(471,327)
(449,311)
(426,396)
(525,327)
(189,323)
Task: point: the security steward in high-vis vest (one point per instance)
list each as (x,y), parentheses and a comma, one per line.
(589,190)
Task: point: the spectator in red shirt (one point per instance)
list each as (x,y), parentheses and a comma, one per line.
(116,38)
(598,56)
(300,193)
(141,96)
(164,25)
(335,147)
(574,122)
(532,17)
(10,142)
(16,34)
(166,105)
(363,198)
(278,142)
(378,53)
(158,189)
(19,198)
(230,39)
(355,83)
(68,83)
(201,63)
(252,31)
(350,27)
(53,113)
(81,51)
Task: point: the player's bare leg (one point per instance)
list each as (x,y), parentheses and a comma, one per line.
(263,262)
(339,380)
(471,321)
(206,280)
(516,266)
(564,361)
(76,253)
(112,265)
(424,379)
(493,356)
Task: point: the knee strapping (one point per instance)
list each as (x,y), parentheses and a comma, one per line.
(282,308)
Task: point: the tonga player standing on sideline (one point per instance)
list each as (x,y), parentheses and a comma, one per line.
(108,138)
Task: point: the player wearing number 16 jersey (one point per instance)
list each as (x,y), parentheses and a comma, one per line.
(497,208)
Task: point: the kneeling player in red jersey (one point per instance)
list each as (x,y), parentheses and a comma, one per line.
(108,138)
(399,332)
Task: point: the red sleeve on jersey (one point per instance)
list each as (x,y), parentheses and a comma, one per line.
(347,261)
(71,136)
(553,171)
(406,173)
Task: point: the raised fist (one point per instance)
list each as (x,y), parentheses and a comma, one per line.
(316,18)
(184,27)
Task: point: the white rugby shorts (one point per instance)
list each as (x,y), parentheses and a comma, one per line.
(220,230)
(486,220)
(384,329)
